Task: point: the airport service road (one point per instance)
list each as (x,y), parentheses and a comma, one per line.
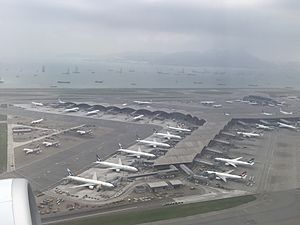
(48,171)
(276,208)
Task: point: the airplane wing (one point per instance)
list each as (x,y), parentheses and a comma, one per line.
(229,171)
(83,185)
(222,178)
(238,158)
(232,164)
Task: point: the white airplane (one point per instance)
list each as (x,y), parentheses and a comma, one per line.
(248,134)
(51,144)
(264,127)
(285,112)
(207,102)
(227,175)
(142,102)
(284,125)
(253,103)
(179,129)
(217,106)
(139,117)
(90,183)
(94,112)
(154,143)
(61,102)
(266,114)
(84,132)
(116,166)
(229,101)
(32,150)
(37,103)
(167,135)
(235,162)
(36,121)
(75,109)
(137,154)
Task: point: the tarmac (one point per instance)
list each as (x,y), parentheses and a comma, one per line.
(47,172)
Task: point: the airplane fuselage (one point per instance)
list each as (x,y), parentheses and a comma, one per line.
(37,121)
(94,112)
(154,143)
(142,102)
(91,181)
(117,166)
(264,127)
(179,129)
(137,153)
(284,125)
(233,162)
(168,135)
(249,135)
(37,103)
(75,109)
(220,175)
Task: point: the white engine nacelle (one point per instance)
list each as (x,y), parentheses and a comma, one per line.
(17,203)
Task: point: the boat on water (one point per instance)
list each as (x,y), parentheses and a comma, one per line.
(98,81)
(63,82)
(1,80)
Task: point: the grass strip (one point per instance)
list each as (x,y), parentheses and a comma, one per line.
(3,147)
(170,212)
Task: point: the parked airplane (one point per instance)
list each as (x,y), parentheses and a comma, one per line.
(137,154)
(51,144)
(75,109)
(264,127)
(32,150)
(139,117)
(154,143)
(179,129)
(248,134)
(36,121)
(217,106)
(235,162)
(37,103)
(116,166)
(167,135)
(227,175)
(142,102)
(229,101)
(285,112)
(90,183)
(266,114)
(84,132)
(207,102)
(94,112)
(284,125)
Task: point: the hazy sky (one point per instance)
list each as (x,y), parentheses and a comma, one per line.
(41,28)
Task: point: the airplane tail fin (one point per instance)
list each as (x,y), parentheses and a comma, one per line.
(243,174)
(138,137)
(251,161)
(154,130)
(69,172)
(120,146)
(98,158)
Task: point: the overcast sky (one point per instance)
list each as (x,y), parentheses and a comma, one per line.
(30,29)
